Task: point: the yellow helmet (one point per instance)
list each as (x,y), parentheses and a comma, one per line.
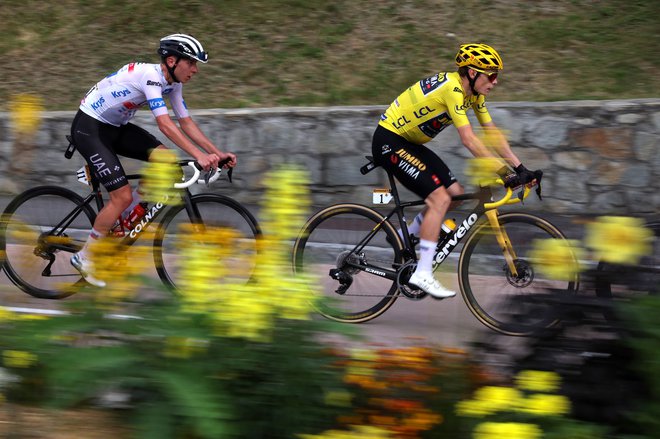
(480,57)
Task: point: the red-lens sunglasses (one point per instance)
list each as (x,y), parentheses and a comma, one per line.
(491,76)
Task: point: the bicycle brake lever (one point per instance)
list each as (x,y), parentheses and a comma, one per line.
(538,175)
(207,176)
(229,172)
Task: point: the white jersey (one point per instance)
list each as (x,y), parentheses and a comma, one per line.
(115,99)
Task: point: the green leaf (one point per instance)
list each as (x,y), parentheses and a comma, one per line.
(196,398)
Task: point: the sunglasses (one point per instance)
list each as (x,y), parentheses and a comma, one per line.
(491,76)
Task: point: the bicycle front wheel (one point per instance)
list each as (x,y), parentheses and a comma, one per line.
(328,242)
(509,304)
(40,230)
(216,222)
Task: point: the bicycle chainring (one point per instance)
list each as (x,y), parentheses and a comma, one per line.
(525,274)
(403,274)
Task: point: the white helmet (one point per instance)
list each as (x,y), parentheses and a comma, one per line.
(182,45)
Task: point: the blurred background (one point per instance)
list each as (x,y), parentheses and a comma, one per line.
(579,96)
(274,53)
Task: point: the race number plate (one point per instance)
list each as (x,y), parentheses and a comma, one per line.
(382,196)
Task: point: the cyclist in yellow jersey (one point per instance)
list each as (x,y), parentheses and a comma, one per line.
(415,117)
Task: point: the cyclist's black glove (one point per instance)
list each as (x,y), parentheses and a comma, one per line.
(509,177)
(524,175)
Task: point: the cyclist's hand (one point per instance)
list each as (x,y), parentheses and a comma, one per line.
(524,175)
(208,161)
(228,156)
(509,177)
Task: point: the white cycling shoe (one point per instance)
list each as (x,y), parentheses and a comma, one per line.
(86,268)
(427,283)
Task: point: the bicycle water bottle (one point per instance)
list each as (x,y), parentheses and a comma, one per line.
(448,226)
(135,215)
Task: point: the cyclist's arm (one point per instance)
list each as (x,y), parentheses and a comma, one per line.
(172,132)
(502,146)
(472,142)
(196,135)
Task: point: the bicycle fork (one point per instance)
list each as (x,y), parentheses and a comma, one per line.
(503,241)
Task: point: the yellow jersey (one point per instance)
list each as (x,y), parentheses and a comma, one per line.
(430,105)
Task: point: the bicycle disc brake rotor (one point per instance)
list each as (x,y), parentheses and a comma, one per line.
(402,281)
(525,274)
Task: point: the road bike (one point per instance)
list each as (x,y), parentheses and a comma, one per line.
(361,264)
(42,227)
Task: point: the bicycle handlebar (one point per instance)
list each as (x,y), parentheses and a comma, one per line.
(209,177)
(506,199)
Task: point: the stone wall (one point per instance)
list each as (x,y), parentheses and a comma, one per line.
(598,156)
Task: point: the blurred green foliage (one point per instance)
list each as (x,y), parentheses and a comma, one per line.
(291,52)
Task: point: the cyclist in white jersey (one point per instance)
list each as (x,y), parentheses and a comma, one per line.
(102,130)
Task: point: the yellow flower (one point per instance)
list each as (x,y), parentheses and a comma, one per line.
(119,266)
(183,347)
(488,400)
(541,404)
(538,380)
(159,176)
(217,263)
(18,359)
(6,314)
(619,240)
(557,258)
(25,111)
(474,408)
(508,430)
(356,432)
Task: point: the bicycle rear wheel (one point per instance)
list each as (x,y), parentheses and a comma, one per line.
(508,304)
(178,233)
(37,252)
(327,241)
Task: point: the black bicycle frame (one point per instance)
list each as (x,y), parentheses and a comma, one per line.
(132,235)
(445,246)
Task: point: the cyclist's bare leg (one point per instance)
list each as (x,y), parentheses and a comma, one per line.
(119,200)
(414,227)
(437,204)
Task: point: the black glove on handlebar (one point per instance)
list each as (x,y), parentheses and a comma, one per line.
(524,175)
(509,177)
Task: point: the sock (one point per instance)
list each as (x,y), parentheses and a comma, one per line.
(426,253)
(94,236)
(414,226)
(137,198)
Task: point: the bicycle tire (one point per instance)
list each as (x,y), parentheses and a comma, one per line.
(326,240)
(27,249)
(217,212)
(511,306)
